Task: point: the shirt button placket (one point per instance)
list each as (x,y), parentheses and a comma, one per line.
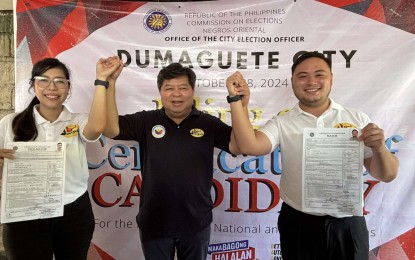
(320,122)
(49,134)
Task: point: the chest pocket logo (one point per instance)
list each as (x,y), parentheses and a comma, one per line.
(158,131)
(197,132)
(345,125)
(70,131)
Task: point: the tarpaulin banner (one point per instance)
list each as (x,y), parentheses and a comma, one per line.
(371,45)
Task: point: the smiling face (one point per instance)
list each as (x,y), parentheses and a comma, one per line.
(311,83)
(177,98)
(52,96)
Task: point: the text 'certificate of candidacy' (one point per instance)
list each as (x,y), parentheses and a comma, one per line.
(33,182)
(332,171)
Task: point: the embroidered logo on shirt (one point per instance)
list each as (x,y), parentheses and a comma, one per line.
(197,132)
(345,125)
(158,131)
(70,131)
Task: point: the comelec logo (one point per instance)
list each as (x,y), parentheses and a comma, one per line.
(157,21)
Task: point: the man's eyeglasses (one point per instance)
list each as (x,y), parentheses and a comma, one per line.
(44,82)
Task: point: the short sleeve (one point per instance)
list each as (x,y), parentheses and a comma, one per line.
(82,120)
(270,129)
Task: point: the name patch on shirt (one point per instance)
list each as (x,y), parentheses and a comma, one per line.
(70,131)
(197,132)
(345,125)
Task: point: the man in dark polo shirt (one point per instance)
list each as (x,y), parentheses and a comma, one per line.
(176,154)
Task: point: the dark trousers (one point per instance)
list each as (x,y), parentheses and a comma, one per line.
(66,237)
(189,247)
(307,237)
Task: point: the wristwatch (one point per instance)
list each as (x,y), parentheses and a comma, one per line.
(104,83)
(233,99)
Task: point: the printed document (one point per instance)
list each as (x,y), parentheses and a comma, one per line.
(33,182)
(332,171)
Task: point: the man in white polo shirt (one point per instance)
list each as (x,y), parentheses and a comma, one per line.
(304,235)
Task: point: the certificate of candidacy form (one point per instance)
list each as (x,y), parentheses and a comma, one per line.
(33,182)
(332,171)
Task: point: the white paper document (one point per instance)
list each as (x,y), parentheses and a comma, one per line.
(332,171)
(33,182)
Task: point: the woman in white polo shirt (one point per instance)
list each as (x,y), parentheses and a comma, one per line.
(46,119)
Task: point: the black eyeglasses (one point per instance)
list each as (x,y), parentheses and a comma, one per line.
(44,82)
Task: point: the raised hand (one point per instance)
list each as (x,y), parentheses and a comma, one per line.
(117,71)
(105,68)
(236,85)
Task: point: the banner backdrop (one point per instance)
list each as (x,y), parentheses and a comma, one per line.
(371,45)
